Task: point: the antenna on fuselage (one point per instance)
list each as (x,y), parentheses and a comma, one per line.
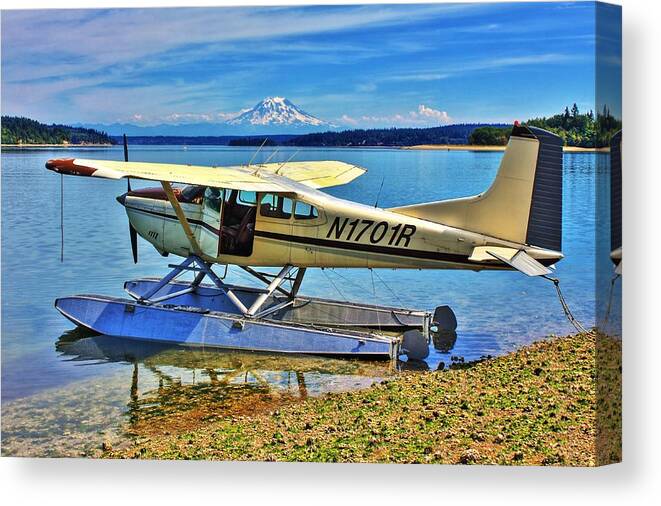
(376,203)
(271,155)
(258,150)
(277,171)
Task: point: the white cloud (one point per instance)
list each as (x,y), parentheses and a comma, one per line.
(440,116)
(366,87)
(30,36)
(178,118)
(434,76)
(481,65)
(348,120)
(423,116)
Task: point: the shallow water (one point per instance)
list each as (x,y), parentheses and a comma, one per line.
(64,392)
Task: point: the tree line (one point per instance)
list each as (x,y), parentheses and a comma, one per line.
(575,128)
(448,134)
(18,130)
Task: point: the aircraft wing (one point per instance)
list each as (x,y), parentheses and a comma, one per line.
(272,177)
(320,174)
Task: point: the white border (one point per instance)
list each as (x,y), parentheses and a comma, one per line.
(81,481)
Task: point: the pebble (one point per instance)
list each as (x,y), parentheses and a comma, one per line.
(469,456)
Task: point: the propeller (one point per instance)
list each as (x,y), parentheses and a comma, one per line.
(126,159)
(134,243)
(132,231)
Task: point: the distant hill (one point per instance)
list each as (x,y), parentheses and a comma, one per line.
(16,130)
(200,140)
(448,134)
(253,141)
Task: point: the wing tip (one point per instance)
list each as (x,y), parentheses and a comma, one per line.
(68,166)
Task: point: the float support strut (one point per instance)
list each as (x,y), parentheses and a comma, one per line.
(277,281)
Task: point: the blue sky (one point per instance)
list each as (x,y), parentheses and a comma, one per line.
(367,66)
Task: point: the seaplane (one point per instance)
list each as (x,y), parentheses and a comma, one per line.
(274,215)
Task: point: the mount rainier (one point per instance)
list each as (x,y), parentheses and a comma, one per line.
(277,111)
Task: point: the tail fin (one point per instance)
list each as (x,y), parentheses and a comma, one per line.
(524,203)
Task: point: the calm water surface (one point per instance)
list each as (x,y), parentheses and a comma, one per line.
(63,392)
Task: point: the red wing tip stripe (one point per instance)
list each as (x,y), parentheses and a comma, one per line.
(68,167)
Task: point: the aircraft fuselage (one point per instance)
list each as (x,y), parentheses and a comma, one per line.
(245,228)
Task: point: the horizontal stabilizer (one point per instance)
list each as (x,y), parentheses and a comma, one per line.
(517,259)
(523,262)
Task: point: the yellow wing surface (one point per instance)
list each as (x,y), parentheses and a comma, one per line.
(270,177)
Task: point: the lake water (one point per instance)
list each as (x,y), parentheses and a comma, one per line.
(64,392)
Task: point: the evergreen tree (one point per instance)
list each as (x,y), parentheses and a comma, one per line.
(17,130)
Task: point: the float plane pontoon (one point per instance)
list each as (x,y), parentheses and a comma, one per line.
(274,215)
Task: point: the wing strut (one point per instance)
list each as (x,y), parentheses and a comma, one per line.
(184,222)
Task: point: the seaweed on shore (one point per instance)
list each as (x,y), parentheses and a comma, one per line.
(536,406)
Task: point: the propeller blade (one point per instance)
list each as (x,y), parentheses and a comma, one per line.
(126,159)
(132,232)
(134,243)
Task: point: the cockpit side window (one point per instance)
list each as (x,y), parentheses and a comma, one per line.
(212,198)
(192,194)
(276,206)
(304,211)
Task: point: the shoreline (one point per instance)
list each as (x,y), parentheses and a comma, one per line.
(420,147)
(540,405)
(471,147)
(30,146)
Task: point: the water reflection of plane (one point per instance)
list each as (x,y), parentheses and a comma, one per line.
(230,382)
(444,340)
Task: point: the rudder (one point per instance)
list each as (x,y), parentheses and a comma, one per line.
(545,219)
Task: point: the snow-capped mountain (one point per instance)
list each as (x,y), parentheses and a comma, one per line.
(271,116)
(277,111)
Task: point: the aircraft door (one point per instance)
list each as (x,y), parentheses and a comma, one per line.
(305,225)
(239,213)
(275,217)
(212,208)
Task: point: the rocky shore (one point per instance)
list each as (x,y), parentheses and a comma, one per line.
(535,406)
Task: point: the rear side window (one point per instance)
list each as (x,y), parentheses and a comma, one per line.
(247,198)
(276,206)
(304,211)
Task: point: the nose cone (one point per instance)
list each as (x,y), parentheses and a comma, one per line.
(122,198)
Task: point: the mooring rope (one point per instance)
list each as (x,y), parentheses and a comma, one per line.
(392,292)
(378,320)
(565,307)
(610,298)
(344,298)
